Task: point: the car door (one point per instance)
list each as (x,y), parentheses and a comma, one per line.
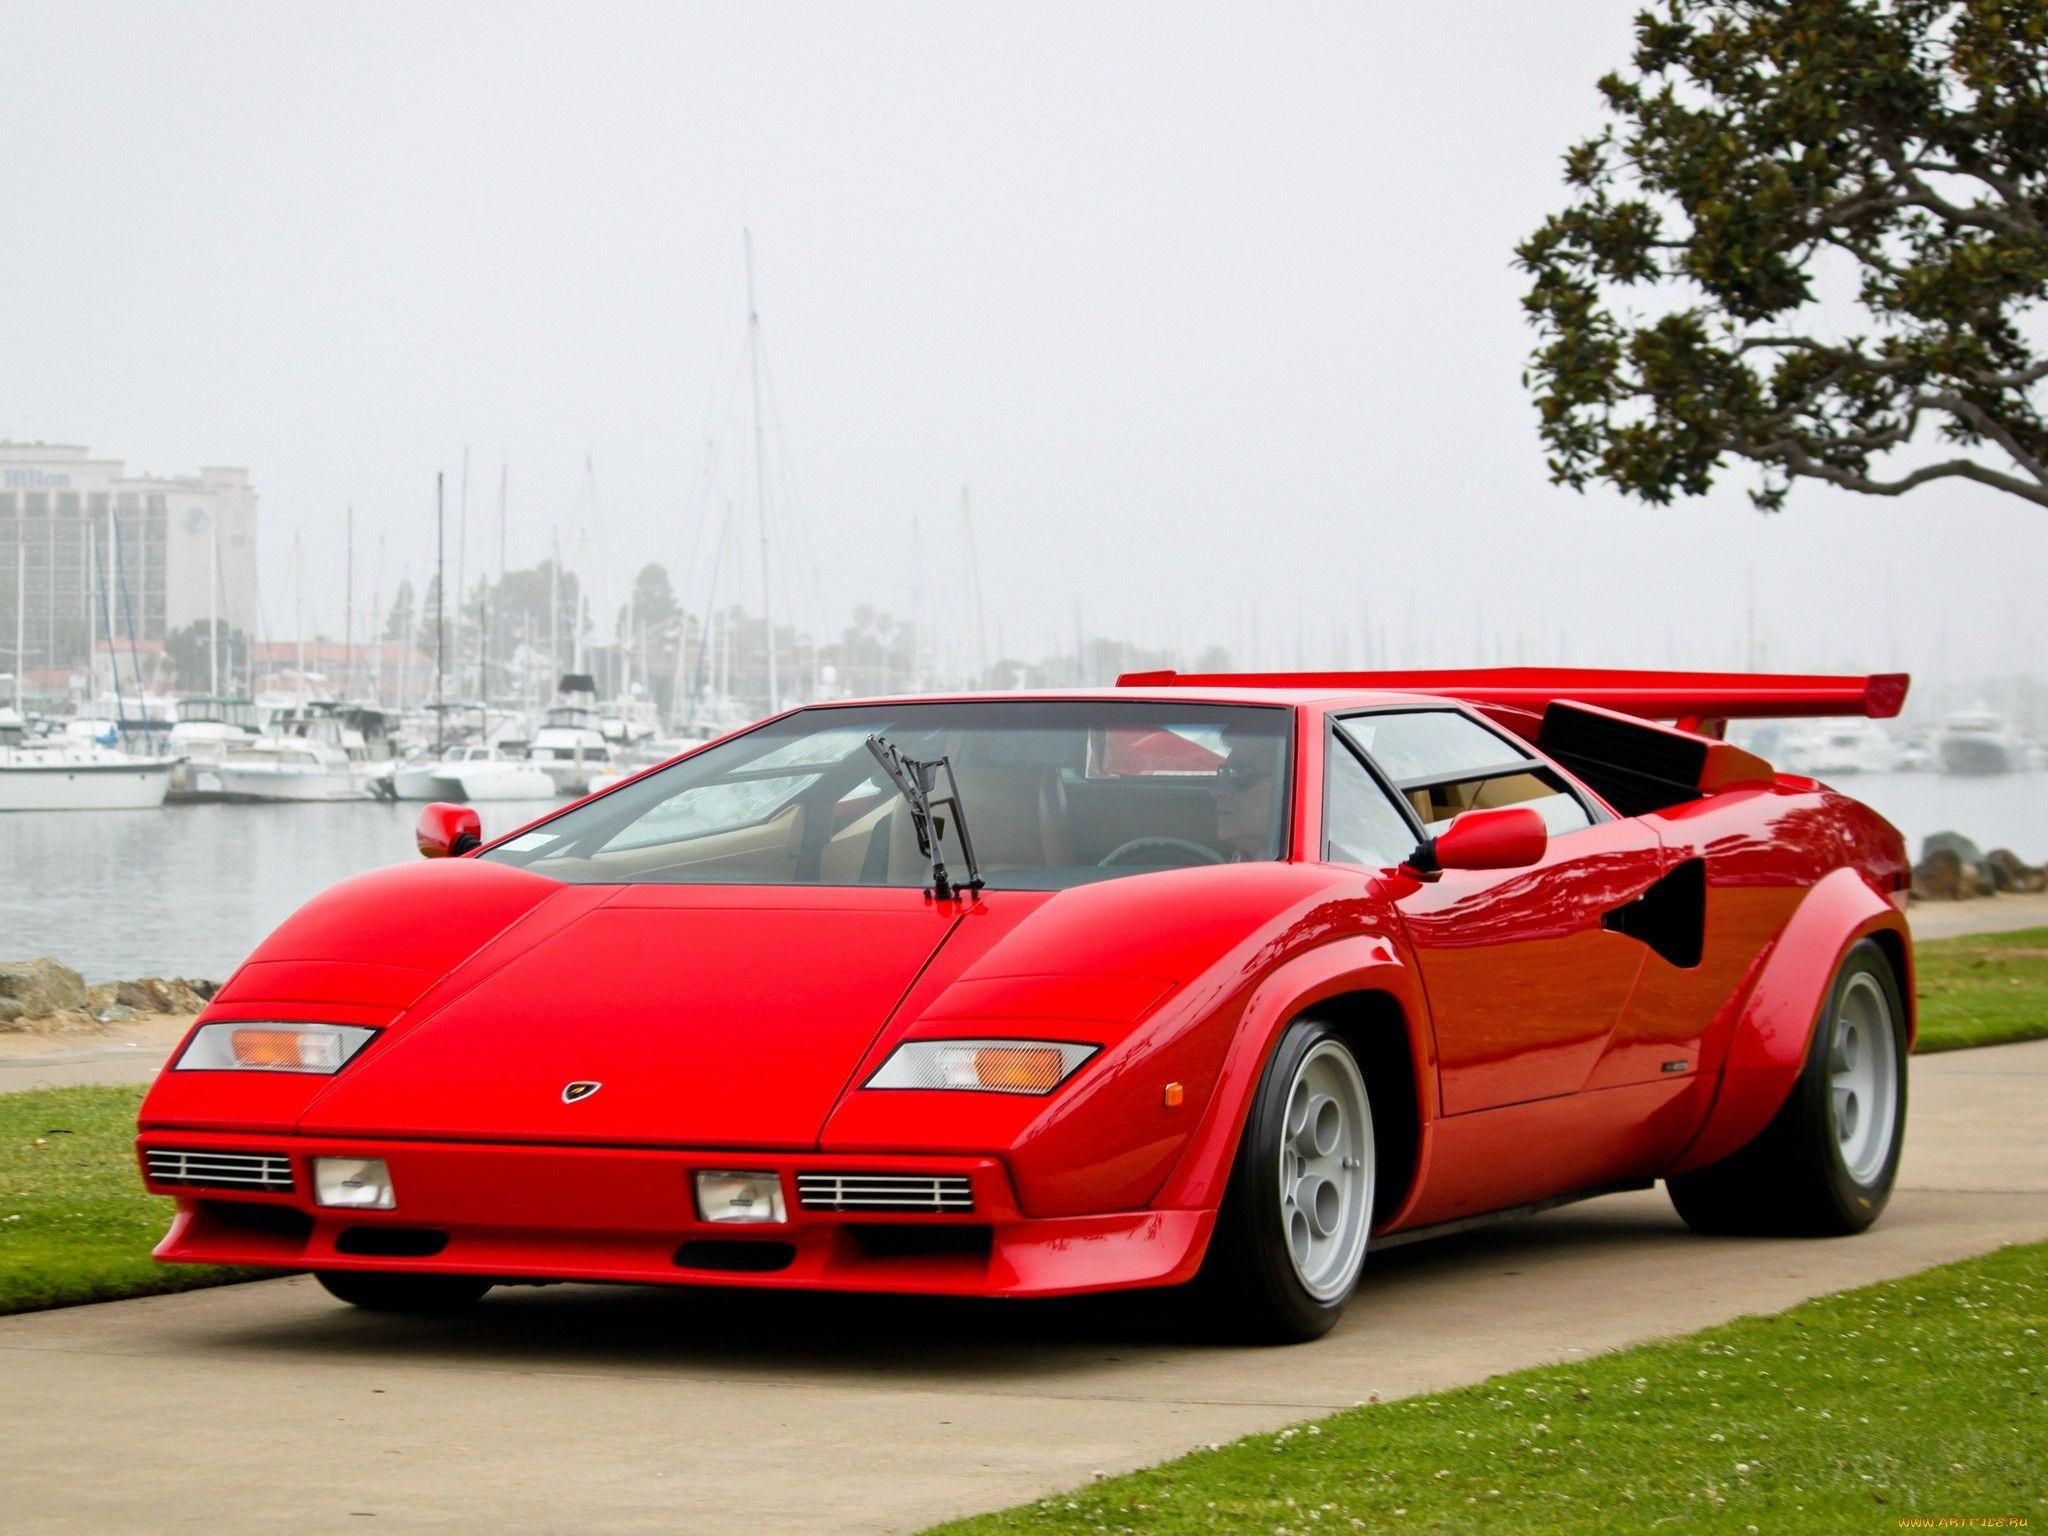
(1525,981)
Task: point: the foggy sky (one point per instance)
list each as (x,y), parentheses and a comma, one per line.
(1212,307)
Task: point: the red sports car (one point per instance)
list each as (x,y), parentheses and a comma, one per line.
(1214,982)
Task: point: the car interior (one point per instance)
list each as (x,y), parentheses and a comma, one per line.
(1046,808)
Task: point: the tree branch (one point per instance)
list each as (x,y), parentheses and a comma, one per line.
(1990,426)
(1797,461)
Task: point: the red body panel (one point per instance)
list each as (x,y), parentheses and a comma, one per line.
(733,1027)
(1524,982)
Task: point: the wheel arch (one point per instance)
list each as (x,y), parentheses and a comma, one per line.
(1777,1018)
(1365,991)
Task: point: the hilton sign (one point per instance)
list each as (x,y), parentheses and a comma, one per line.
(32,479)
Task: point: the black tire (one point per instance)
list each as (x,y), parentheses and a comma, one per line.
(1248,1289)
(422,1295)
(1793,1179)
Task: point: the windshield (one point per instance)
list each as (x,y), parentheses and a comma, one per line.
(1056,793)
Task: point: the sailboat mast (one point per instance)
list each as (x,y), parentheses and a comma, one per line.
(20,611)
(974,590)
(760,467)
(213,607)
(348,601)
(917,677)
(298,614)
(440,601)
(555,610)
(376,627)
(483,660)
(90,576)
(461,555)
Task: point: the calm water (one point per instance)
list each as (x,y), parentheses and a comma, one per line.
(191,889)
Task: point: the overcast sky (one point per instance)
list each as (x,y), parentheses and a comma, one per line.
(1213,308)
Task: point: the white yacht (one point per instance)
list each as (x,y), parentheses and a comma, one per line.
(207,729)
(1841,747)
(1978,740)
(292,768)
(570,746)
(473,773)
(74,775)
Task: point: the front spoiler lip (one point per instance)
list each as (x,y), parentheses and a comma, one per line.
(542,1212)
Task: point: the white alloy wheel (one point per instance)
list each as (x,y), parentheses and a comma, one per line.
(1863,1078)
(1326,1171)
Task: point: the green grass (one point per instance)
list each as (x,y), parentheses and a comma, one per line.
(1983,989)
(1921,1397)
(75,1222)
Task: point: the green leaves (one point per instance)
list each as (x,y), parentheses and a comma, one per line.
(1814,238)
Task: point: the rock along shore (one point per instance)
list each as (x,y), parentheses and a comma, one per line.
(43,996)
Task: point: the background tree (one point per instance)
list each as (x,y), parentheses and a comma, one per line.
(190,653)
(652,608)
(1814,237)
(398,624)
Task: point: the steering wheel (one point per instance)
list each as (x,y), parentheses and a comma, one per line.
(1135,851)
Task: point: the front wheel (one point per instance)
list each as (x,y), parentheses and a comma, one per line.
(424,1295)
(1825,1165)
(1291,1237)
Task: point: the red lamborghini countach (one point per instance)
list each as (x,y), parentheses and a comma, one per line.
(1206,982)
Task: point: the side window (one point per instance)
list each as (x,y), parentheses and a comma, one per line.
(1430,745)
(1445,763)
(1360,824)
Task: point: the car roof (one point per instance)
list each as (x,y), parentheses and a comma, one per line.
(1288,698)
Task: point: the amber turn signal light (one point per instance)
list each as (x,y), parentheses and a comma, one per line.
(267,1048)
(1019,1068)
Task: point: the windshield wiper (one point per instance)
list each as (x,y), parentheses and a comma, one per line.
(915,779)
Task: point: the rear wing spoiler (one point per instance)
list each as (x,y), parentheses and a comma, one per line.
(1690,697)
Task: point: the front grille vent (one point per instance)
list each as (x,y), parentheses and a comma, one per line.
(946,1192)
(219,1170)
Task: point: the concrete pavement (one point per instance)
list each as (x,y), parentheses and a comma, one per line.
(1989,914)
(583,1409)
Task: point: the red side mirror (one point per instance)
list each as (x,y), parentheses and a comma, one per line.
(1506,837)
(445,831)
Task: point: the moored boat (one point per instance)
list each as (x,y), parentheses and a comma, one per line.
(68,776)
(292,768)
(1978,741)
(472,774)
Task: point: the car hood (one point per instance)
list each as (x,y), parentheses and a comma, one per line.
(706,1016)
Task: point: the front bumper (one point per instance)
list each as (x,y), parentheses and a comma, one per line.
(628,1214)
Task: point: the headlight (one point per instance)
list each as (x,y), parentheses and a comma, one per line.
(266,1047)
(982,1066)
(740,1197)
(358,1183)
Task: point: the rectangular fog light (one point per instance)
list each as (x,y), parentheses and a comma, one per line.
(739,1197)
(358,1183)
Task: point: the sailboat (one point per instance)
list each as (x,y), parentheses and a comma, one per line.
(70,773)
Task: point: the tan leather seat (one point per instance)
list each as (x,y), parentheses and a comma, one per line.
(1017,817)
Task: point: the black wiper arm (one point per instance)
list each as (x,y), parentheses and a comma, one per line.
(915,779)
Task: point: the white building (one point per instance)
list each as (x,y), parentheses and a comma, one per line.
(88,549)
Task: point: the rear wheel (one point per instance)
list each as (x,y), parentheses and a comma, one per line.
(1825,1165)
(1291,1237)
(423,1294)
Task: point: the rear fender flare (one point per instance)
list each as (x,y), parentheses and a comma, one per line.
(1364,963)
(1775,1026)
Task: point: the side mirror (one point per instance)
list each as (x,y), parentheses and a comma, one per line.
(1505,837)
(447,831)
